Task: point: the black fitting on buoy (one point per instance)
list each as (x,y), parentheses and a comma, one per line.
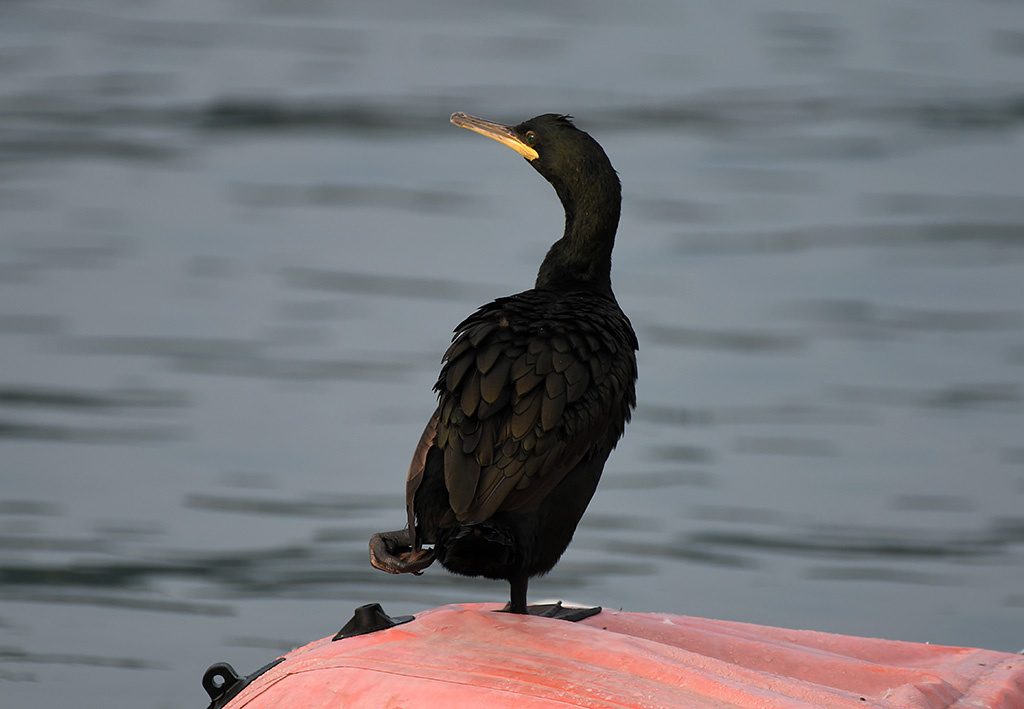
(222,683)
(369,619)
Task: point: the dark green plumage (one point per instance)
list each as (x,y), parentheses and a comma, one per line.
(533,394)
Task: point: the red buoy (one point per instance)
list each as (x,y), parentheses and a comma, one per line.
(472,656)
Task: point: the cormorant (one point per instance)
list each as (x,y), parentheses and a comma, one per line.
(534,392)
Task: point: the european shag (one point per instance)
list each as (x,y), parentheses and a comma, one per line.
(534,392)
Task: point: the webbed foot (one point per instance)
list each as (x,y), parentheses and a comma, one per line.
(393,552)
(556,610)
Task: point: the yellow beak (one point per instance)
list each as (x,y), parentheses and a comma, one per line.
(497,131)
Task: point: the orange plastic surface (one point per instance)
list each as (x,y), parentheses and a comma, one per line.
(470,656)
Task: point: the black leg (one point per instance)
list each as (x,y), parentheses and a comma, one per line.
(517,604)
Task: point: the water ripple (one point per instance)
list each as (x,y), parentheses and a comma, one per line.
(318,508)
(995,395)
(735,341)
(102,401)
(861,317)
(31,431)
(236,358)
(1007,238)
(265,195)
(385,284)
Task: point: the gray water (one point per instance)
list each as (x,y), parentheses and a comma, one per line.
(235,237)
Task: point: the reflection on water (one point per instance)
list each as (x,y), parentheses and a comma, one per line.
(861,542)
(383,284)
(233,248)
(1004,395)
(856,317)
(100,402)
(335,557)
(233,358)
(17,656)
(796,414)
(752,342)
(81,434)
(276,196)
(129,403)
(1002,241)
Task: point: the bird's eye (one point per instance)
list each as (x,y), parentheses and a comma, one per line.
(531,138)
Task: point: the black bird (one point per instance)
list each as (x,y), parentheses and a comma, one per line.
(534,392)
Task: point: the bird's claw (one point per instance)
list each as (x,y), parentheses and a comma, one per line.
(393,552)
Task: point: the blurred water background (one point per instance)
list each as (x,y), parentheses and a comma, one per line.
(235,237)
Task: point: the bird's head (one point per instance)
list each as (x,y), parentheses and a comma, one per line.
(586,183)
(555,147)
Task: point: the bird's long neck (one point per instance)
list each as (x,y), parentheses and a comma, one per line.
(582,258)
